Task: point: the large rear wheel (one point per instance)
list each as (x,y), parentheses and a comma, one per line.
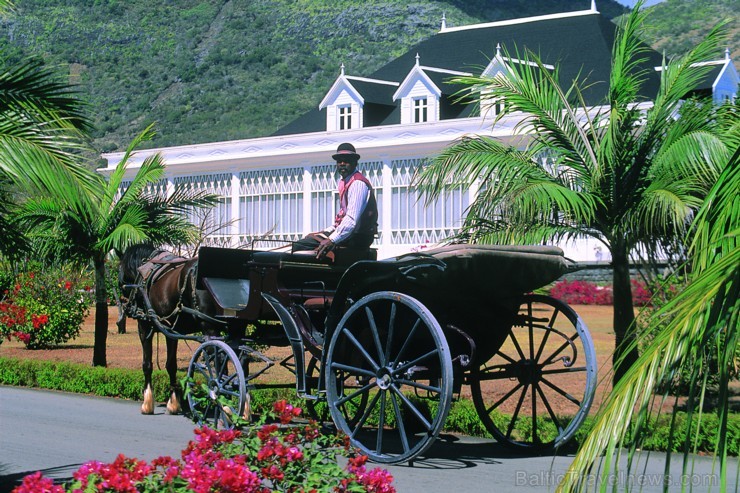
(537,389)
(395,353)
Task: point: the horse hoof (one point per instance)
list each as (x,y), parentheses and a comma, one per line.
(144,410)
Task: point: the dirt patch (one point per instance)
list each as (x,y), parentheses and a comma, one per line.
(124,350)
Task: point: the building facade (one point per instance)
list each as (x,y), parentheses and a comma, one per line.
(280,187)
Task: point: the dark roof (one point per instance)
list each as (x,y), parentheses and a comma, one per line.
(374,92)
(580,45)
(708,81)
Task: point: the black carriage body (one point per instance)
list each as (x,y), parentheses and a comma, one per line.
(422,323)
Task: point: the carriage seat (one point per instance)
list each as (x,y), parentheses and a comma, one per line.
(343,257)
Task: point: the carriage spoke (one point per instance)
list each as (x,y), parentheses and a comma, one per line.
(412,407)
(381,424)
(400,424)
(514,340)
(531,331)
(417,385)
(362,350)
(503,399)
(361,390)
(353,369)
(515,415)
(376,336)
(402,351)
(365,415)
(391,326)
(549,409)
(561,392)
(412,363)
(557,371)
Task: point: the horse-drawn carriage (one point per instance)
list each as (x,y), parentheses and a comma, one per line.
(387,345)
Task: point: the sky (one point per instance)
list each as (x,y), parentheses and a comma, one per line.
(631,3)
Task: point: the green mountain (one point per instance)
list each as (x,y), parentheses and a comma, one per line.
(221,70)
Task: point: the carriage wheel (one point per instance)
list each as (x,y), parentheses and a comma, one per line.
(394,348)
(542,378)
(216,385)
(318,409)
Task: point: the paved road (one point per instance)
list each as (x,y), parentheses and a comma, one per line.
(57,432)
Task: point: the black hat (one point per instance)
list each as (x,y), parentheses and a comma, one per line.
(346,151)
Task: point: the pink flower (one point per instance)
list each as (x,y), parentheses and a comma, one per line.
(37,483)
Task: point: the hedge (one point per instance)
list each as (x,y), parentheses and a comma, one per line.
(128,384)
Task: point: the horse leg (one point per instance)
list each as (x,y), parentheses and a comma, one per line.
(145,336)
(173,404)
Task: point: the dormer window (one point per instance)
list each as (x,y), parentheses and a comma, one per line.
(345,117)
(421,110)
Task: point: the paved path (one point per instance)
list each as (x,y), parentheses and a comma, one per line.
(57,432)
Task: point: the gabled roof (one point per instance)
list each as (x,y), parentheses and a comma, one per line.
(579,43)
(340,85)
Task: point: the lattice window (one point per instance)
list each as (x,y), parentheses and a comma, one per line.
(156,189)
(214,221)
(412,220)
(271,204)
(122,189)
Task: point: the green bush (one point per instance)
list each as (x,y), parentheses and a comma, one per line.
(462,418)
(44,308)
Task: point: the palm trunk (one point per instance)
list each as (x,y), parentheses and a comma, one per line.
(101,315)
(625,353)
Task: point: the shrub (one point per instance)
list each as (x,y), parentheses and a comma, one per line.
(263,458)
(586,293)
(581,293)
(43,309)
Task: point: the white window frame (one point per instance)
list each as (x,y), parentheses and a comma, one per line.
(420,109)
(344,117)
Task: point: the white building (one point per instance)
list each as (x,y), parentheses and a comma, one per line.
(283,186)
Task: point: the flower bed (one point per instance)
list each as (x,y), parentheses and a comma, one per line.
(276,455)
(587,293)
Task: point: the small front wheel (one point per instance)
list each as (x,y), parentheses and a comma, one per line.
(216,385)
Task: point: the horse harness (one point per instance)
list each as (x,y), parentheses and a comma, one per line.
(159,263)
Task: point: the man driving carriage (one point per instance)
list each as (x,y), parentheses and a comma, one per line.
(356,223)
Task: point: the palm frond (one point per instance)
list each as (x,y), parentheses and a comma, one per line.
(706,310)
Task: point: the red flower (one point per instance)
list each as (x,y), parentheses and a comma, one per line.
(37,483)
(68,285)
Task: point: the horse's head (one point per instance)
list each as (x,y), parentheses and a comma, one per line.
(131,260)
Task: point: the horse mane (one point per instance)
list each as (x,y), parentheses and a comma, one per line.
(132,258)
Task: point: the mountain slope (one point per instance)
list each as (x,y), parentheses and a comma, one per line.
(230,69)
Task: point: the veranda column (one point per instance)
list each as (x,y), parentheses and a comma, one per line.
(308,204)
(386,220)
(234,219)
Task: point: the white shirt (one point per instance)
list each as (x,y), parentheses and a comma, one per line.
(358,195)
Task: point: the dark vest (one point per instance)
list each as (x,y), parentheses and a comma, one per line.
(367,223)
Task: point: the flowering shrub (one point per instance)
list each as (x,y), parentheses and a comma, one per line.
(284,457)
(586,293)
(43,309)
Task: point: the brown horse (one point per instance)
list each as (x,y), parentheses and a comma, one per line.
(166,301)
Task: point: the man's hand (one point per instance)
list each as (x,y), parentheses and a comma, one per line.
(324,247)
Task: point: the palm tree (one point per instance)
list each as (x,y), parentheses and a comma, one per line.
(87,227)
(628,175)
(706,311)
(42,132)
